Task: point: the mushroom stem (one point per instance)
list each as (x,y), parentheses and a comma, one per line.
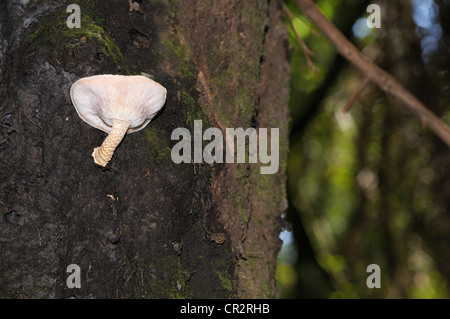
(102,155)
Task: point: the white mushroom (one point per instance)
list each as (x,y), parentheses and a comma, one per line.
(116,104)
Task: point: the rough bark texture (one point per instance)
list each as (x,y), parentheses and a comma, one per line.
(143,226)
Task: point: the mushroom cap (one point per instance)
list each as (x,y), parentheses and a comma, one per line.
(99,99)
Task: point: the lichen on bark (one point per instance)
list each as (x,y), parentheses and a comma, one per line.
(239,51)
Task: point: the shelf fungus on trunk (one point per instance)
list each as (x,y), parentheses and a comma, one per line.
(117,105)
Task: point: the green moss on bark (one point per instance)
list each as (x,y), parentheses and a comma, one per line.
(158,144)
(57,35)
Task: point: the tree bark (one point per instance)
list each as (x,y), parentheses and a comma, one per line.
(143,227)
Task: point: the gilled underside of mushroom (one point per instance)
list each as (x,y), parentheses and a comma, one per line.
(116,104)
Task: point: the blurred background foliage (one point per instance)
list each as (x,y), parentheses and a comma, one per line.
(371,186)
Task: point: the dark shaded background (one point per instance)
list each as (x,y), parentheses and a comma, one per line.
(371,186)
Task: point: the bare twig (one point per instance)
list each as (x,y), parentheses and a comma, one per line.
(310,26)
(374,73)
(356,95)
(308,53)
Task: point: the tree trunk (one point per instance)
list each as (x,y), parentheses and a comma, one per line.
(143,227)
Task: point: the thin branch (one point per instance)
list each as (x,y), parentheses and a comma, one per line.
(310,26)
(307,51)
(356,95)
(384,80)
